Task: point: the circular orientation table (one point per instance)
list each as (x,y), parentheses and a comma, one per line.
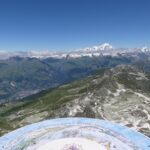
(74,134)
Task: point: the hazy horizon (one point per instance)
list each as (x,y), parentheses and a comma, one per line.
(71,50)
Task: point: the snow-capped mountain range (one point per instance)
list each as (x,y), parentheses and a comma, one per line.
(102,50)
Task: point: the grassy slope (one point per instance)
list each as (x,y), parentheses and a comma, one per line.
(12,114)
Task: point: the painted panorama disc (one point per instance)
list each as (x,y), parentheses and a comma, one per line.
(74,134)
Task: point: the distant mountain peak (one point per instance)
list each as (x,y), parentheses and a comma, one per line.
(102,47)
(145,49)
(105,46)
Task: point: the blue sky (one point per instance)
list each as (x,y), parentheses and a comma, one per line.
(71,24)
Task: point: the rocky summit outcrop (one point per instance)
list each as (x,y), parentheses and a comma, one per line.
(120,95)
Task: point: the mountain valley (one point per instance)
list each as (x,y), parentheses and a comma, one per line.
(119,94)
(21,77)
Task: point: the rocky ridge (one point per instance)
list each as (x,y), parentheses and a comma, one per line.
(119,94)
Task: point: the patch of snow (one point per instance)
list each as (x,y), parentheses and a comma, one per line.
(12,84)
(119,91)
(74,110)
(142,96)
